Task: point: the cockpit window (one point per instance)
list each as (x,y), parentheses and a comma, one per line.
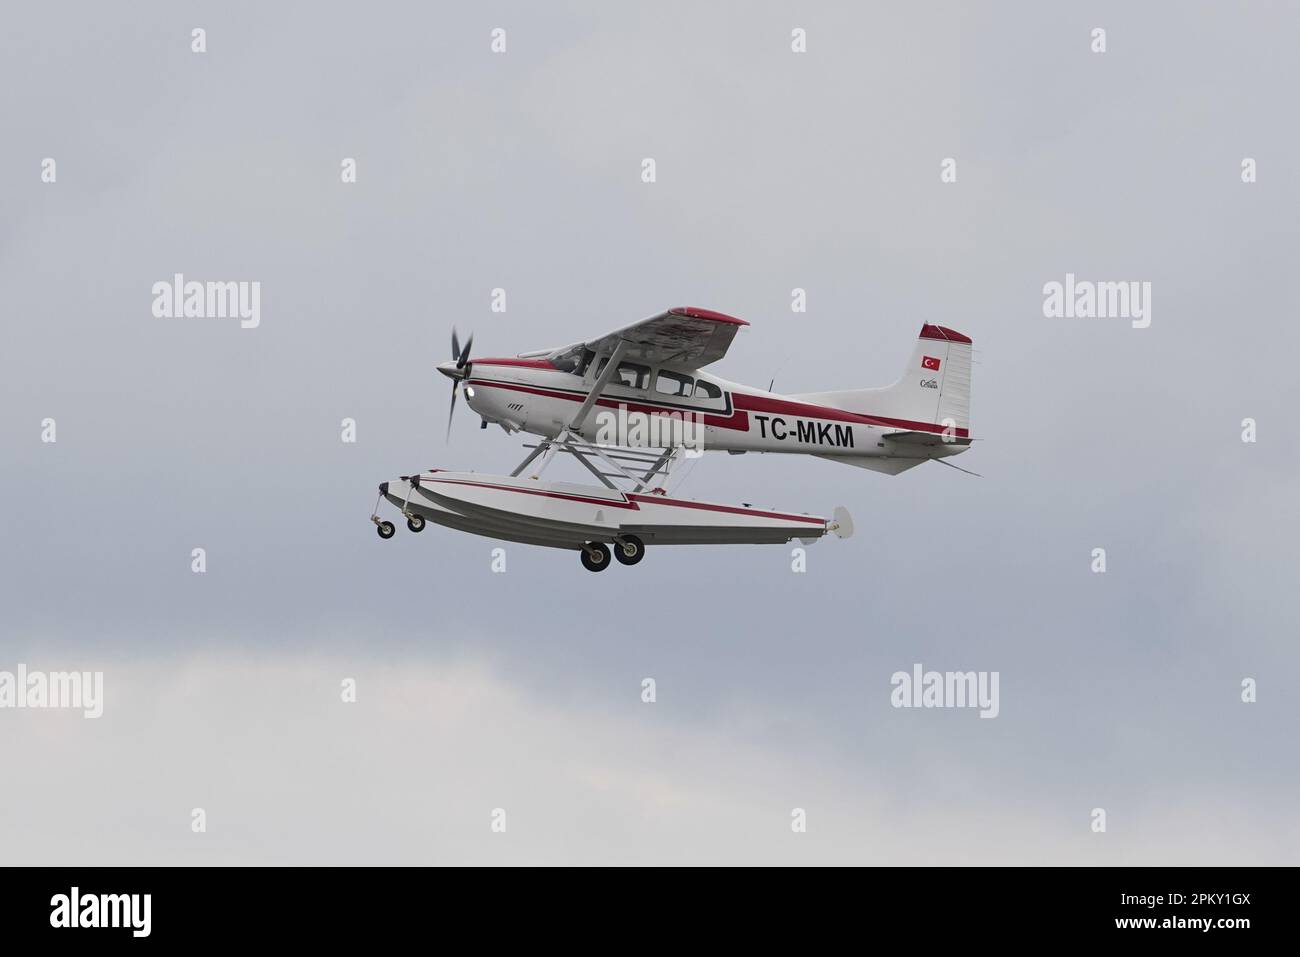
(573,359)
(707,390)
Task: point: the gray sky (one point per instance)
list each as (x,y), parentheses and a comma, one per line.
(775,170)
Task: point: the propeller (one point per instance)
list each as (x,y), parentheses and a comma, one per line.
(460,357)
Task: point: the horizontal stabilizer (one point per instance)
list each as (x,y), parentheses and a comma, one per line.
(914,438)
(924,439)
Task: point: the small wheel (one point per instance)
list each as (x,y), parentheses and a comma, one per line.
(415,523)
(386,529)
(595,557)
(629,550)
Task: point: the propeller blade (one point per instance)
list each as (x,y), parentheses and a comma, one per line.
(461,358)
(455,387)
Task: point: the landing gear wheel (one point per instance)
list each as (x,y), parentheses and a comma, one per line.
(415,523)
(629,550)
(386,529)
(595,557)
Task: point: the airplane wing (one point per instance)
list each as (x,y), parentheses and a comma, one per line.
(684,336)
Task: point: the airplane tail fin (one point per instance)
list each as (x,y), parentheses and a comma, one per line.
(933,393)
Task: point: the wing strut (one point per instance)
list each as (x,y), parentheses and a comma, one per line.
(570,440)
(579,417)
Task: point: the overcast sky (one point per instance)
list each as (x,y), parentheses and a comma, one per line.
(522,690)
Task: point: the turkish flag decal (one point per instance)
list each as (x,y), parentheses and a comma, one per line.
(930,362)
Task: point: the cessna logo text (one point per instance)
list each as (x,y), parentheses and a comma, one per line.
(809,433)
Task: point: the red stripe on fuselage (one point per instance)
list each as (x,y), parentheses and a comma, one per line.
(773,406)
(546,364)
(737,420)
(743,404)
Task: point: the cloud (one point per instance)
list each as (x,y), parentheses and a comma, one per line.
(410,774)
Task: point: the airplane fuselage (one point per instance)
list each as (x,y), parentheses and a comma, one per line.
(533,395)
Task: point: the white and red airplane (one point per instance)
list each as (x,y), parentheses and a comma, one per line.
(608,400)
(658,372)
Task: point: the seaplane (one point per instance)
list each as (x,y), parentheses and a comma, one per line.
(630,405)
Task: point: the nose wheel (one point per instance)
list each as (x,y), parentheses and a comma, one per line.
(595,557)
(629,549)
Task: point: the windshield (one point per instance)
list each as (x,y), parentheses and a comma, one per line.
(572,359)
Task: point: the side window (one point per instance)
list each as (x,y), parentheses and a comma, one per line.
(707,390)
(673,383)
(627,374)
(633,376)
